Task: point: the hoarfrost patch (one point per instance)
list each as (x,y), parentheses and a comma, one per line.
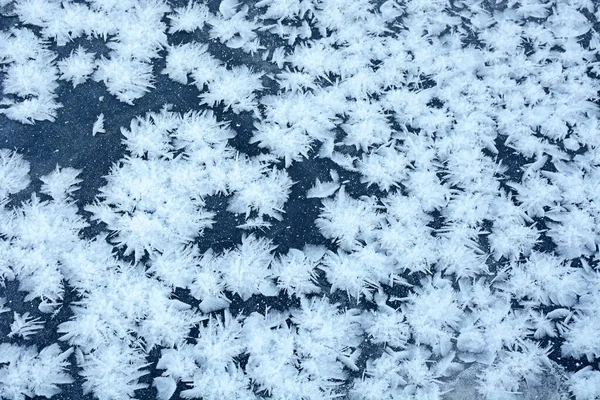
(453,247)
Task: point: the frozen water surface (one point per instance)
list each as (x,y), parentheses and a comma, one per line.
(299,199)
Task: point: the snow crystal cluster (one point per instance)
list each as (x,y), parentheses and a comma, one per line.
(450,150)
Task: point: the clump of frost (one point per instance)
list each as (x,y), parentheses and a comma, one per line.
(236,88)
(405,374)
(434,325)
(366,125)
(133,31)
(550,385)
(77,67)
(215,374)
(126,78)
(296,270)
(355,272)
(577,328)
(327,337)
(113,372)
(574,231)
(246,268)
(504,379)
(61,183)
(154,214)
(35,251)
(385,167)
(348,221)
(14,173)
(233,29)
(27,373)
(387,325)
(272,361)
(208,285)
(189,18)
(29,82)
(544,278)
(287,143)
(185,59)
(258,188)
(151,210)
(585,384)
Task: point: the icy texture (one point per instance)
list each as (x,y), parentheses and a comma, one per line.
(442,157)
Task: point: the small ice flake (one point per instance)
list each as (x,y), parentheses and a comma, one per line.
(98,125)
(322,189)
